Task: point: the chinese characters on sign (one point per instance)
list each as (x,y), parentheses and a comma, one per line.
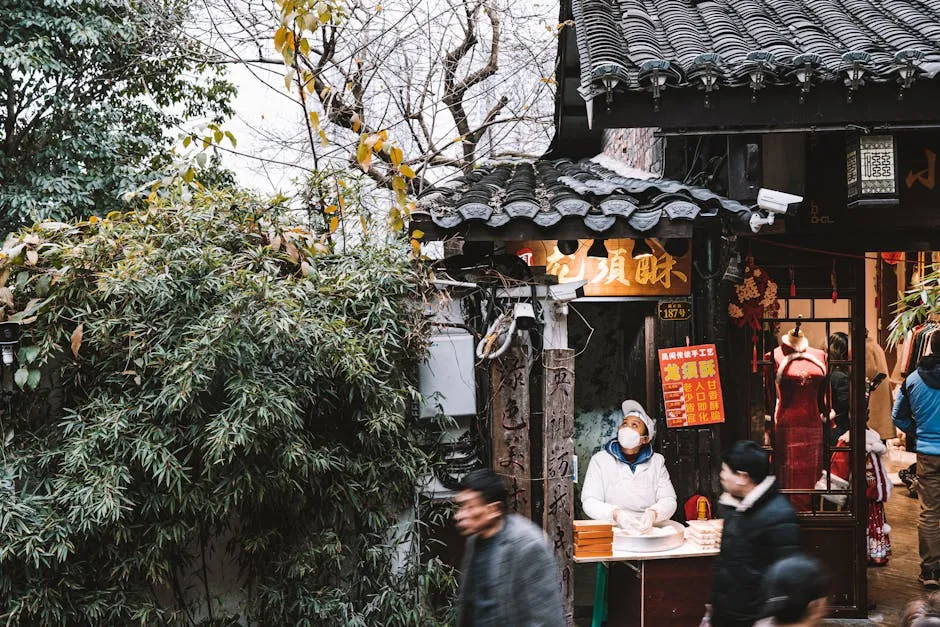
(619,274)
(691,386)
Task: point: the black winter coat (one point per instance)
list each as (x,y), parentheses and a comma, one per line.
(751,541)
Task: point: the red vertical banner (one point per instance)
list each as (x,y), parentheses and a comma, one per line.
(691,386)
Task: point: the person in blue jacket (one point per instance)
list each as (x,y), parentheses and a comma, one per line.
(917,409)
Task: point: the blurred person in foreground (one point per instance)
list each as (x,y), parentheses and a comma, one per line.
(917,410)
(508,575)
(797,591)
(922,612)
(760,528)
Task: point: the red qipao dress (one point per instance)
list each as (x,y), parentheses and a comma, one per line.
(799,377)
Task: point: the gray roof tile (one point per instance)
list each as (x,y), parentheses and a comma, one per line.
(617,37)
(545,192)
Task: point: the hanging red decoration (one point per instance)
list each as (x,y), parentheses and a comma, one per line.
(754,299)
(832,279)
(792,282)
(893,258)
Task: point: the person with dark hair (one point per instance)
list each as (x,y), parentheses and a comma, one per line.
(922,613)
(797,591)
(508,575)
(760,528)
(917,409)
(839,384)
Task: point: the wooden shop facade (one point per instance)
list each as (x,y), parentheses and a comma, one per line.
(695,112)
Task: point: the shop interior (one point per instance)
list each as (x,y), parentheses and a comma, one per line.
(612,338)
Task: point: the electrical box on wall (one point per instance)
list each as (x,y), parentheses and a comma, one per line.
(446,379)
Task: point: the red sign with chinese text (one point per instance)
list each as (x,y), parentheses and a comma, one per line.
(691,386)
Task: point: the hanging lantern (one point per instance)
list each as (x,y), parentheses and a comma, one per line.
(759,65)
(906,62)
(871,171)
(855,64)
(806,66)
(705,67)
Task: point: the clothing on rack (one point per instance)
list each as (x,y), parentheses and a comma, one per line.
(916,346)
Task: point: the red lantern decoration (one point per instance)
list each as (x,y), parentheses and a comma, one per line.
(892,258)
(755,298)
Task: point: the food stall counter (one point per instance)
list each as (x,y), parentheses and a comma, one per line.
(655,589)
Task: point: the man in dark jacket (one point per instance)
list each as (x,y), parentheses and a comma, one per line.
(760,528)
(509,576)
(917,409)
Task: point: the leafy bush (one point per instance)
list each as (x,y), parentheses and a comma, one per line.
(201,385)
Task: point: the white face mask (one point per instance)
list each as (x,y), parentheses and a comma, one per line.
(628,438)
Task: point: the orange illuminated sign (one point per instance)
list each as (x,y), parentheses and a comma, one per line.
(618,274)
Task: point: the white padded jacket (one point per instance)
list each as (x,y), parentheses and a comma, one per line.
(609,484)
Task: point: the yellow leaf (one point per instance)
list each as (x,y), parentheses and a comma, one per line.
(292,251)
(315,120)
(459,138)
(416,246)
(378,145)
(280,36)
(113,215)
(93,220)
(342,201)
(407,171)
(365,228)
(77,338)
(364,157)
(397,156)
(356,122)
(400,197)
(330,209)
(287,80)
(417,234)
(409,207)
(189,175)
(334,223)
(324,141)
(371,140)
(304,46)
(384,135)
(398,183)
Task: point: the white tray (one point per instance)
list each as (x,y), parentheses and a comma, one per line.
(624,542)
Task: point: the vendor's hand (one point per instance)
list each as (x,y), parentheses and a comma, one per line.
(646,521)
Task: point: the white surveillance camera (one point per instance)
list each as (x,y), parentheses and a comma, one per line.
(524,315)
(565,292)
(775,202)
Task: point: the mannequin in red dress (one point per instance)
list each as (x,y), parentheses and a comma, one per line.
(799,375)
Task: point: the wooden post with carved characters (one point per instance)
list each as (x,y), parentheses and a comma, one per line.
(558,465)
(510,429)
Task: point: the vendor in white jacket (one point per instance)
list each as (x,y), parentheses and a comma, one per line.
(626,482)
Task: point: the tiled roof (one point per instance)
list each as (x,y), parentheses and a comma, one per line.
(546,192)
(633,44)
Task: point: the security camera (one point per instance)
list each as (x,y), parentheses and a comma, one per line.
(524,315)
(775,202)
(565,292)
